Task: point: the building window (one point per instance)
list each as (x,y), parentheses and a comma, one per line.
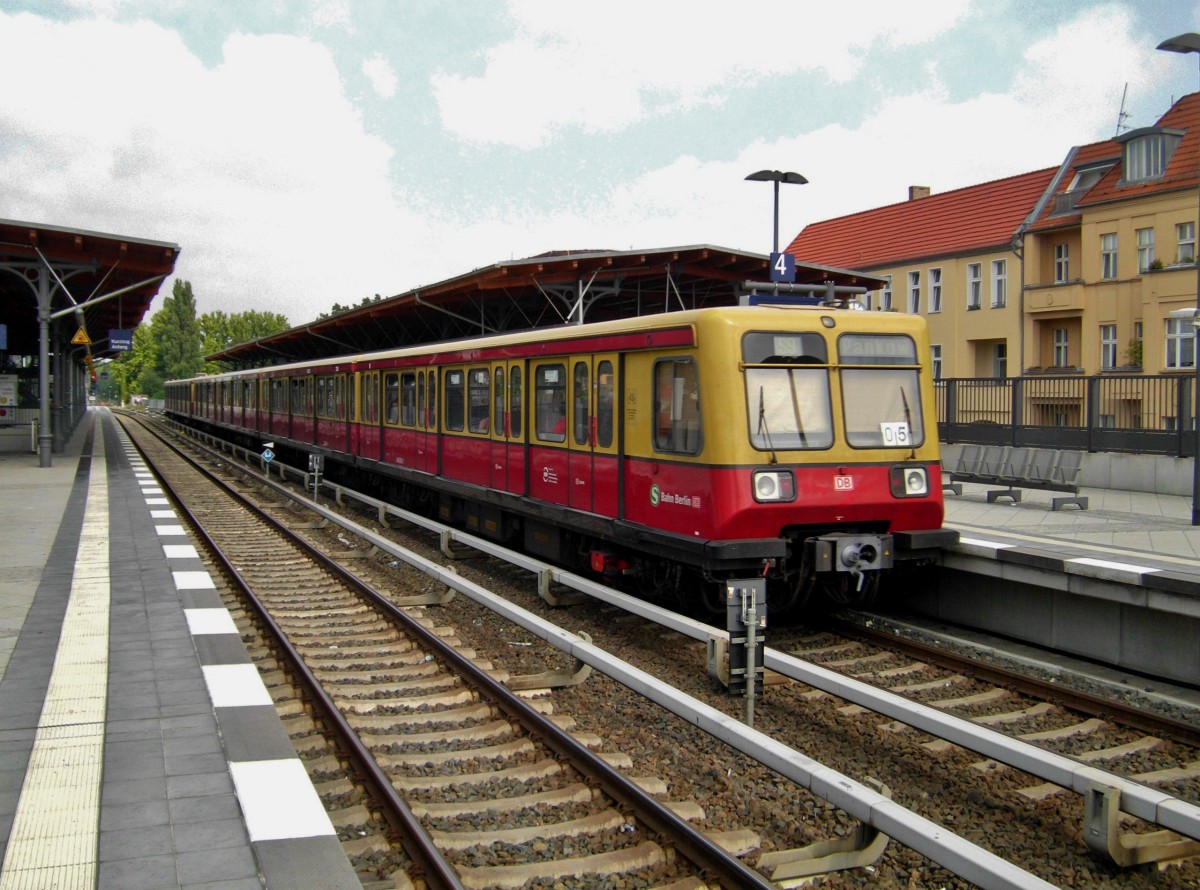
(935,362)
(935,290)
(914,292)
(1185,241)
(1060,348)
(1061,273)
(1108,421)
(1147,156)
(1181,343)
(1145,246)
(885,296)
(1108,346)
(999,283)
(974,285)
(1000,360)
(1108,255)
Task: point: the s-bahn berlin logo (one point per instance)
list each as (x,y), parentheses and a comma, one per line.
(655,495)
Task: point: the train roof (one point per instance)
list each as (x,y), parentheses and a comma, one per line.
(535,292)
(642,326)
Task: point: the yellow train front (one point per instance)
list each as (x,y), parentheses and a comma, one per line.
(799,443)
(666,453)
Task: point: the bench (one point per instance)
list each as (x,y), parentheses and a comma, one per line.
(1015,468)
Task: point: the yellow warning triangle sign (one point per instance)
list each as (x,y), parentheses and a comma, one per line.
(81,338)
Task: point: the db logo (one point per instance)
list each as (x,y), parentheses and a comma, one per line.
(843,483)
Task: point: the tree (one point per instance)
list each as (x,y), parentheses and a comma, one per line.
(219,330)
(338,308)
(176,334)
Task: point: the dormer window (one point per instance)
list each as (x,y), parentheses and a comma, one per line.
(1147,151)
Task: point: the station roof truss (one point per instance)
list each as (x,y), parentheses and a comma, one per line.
(96,282)
(556,288)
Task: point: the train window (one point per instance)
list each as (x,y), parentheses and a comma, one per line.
(604,404)
(431,417)
(324,397)
(391,398)
(891,416)
(676,406)
(514,404)
(784,348)
(422,418)
(479,396)
(340,398)
(455,401)
(366,398)
(279,395)
(550,403)
(408,399)
(789,408)
(877,349)
(498,400)
(580,397)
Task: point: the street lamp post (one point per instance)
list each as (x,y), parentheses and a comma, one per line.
(776,176)
(1190,43)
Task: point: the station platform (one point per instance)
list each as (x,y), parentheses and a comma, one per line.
(138,746)
(139,749)
(1141,538)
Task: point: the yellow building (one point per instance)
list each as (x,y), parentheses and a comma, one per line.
(1072,269)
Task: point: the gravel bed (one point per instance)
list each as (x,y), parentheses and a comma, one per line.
(1043,836)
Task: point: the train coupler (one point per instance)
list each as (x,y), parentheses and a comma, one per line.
(853,553)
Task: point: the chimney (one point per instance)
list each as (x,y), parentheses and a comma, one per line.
(918,191)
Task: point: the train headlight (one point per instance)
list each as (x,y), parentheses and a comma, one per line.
(909,482)
(774,486)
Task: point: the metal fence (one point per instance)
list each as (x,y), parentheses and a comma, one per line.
(1146,414)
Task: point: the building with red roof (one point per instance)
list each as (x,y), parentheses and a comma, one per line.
(1068,269)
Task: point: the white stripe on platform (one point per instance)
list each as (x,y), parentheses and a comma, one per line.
(169,530)
(980,543)
(278,800)
(180,551)
(1108,564)
(210,621)
(55,831)
(235,686)
(193,581)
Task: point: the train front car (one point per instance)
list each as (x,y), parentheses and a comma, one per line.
(810,456)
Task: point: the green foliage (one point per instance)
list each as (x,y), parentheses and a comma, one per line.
(174,343)
(176,334)
(1133,354)
(219,330)
(338,308)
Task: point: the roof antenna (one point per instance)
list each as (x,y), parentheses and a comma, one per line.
(1123,114)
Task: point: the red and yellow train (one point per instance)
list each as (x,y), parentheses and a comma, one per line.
(668,452)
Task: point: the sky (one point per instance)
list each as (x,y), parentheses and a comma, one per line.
(309,152)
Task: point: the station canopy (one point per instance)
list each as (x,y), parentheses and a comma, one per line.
(556,288)
(110,279)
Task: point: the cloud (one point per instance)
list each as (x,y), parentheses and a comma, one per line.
(379,72)
(597,70)
(258,167)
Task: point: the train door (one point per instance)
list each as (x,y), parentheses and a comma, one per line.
(592,462)
(548,477)
(508,429)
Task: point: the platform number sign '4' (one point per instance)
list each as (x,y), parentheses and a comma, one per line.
(783,267)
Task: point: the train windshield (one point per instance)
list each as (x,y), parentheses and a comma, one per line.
(880,391)
(789,407)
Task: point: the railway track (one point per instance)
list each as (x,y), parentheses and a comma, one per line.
(945,784)
(492,782)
